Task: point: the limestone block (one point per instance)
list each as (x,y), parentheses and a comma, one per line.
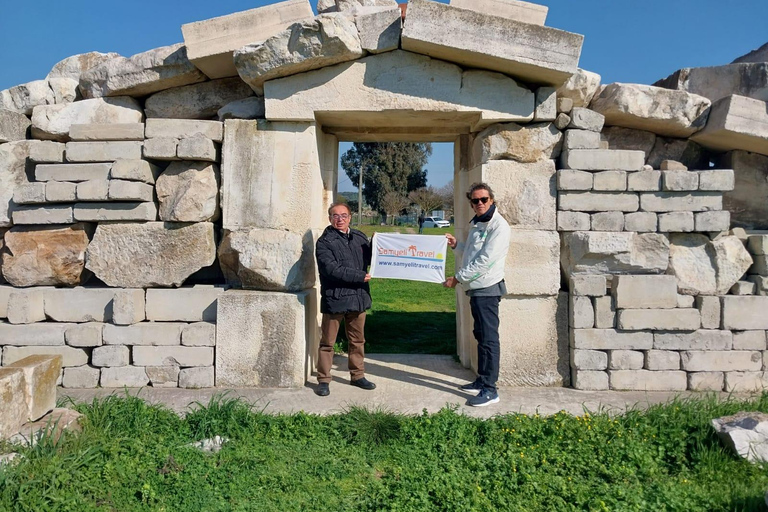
(91,190)
(531,266)
(144,334)
(161,148)
(379,30)
(196,378)
(760,265)
(268,259)
(23,98)
(659,319)
(588,285)
(142,74)
(564,106)
(685,151)
(732,261)
(199,334)
(712,221)
(743,288)
(745,382)
(270,176)
(84,335)
(619,137)
(12,401)
(65,90)
(110,356)
(79,304)
(705,381)
(758,244)
(189,192)
(654,109)
(607,221)
(151,254)
(692,261)
(758,55)
(721,361)
(644,181)
(686,301)
(128,307)
(614,253)
(745,313)
(511,141)
(107,132)
(247,108)
(562,121)
(679,180)
(72,67)
(610,181)
(573,221)
(53,122)
(39,334)
(644,380)
(103,151)
(70,356)
(196,101)
(163,376)
(397,89)
(599,201)
(749,340)
(314,43)
(37,256)
(581,139)
(260,339)
(748,79)
(761,284)
(611,339)
(534,353)
(586,119)
(589,360)
(701,340)
(586,380)
(511,9)
(532,53)
(580,88)
(122,190)
(124,376)
(747,201)
(681,201)
(13,126)
(546,104)
(184,128)
(625,360)
(357,5)
(29,193)
(568,179)
(719,180)
(115,212)
(197,147)
(60,192)
(72,172)
(676,222)
(581,314)
(81,377)
(179,356)
(47,215)
(211,43)
(709,307)
(134,170)
(602,160)
(13,173)
(26,306)
(736,122)
(641,222)
(662,360)
(188,304)
(645,292)
(5,294)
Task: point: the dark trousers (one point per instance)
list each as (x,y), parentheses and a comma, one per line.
(354,324)
(485,312)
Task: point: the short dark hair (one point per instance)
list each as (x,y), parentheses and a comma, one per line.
(480,186)
(340,203)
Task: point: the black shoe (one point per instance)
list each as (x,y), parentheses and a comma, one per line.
(472,386)
(363,384)
(485,397)
(323,389)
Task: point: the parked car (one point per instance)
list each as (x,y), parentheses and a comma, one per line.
(433,222)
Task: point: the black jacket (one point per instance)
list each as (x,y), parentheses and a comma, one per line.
(342,261)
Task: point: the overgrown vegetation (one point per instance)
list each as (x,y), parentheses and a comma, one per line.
(133,457)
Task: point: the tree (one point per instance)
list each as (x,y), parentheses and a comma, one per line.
(446,192)
(393,203)
(427,199)
(387,167)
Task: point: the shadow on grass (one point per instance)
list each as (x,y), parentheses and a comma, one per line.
(388,332)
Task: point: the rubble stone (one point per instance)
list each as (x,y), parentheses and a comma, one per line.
(184,128)
(53,122)
(709,307)
(580,88)
(379,30)
(40,375)
(196,101)
(13,126)
(614,253)
(581,313)
(25,97)
(72,67)
(511,141)
(189,192)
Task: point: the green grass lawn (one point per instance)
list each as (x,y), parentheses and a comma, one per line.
(410,317)
(134,457)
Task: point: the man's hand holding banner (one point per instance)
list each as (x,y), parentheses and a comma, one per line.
(411,257)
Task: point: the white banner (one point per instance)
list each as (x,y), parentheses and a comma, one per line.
(412,257)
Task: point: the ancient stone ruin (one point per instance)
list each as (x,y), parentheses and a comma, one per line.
(159,211)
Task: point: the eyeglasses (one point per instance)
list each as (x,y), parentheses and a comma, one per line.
(343,216)
(478,200)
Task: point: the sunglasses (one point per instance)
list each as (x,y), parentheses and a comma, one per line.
(479,200)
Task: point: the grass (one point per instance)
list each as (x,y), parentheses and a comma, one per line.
(132,456)
(410,317)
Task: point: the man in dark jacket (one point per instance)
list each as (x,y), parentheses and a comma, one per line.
(343,255)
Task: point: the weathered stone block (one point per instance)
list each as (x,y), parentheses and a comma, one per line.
(761,284)
(602,160)
(124,376)
(135,170)
(197,147)
(195,304)
(72,172)
(45,151)
(196,101)
(614,253)
(749,79)
(605,312)
(618,137)
(163,376)
(511,9)
(659,319)
(29,193)
(625,360)
(581,313)
(196,378)
(581,139)
(568,179)
(679,180)
(644,181)
(379,30)
(39,334)
(758,244)
(128,307)
(742,288)
(107,131)
(588,285)
(43,215)
(749,340)
(709,307)
(712,221)
(608,221)
(611,339)
(24,98)
(184,128)
(564,106)
(26,306)
(103,151)
(161,148)
(247,108)
(589,360)
(145,333)
(745,201)
(699,340)
(81,377)
(685,151)
(573,221)
(706,381)
(60,192)
(562,121)
(676,222)
(586,380)
(615,181)
(546,104)
(732,261)
(641,222)
(745,313)
(110,356)
(92,190)
(84,335)
(717,180)
(13,126)
(511,141)
(736,122)
(599,201)
(189,192)
(180,356)
(53,122)
(122,190)
(681,201)
(115,212)
(70,356)
(644,380)
(686,301)
(662,360)
(199,334)
(532,263)
(586,119)
(40,375)
(12,400)
(745,382)
(260,339)
(721,361)
(645,292)
(580,88)
(79,304)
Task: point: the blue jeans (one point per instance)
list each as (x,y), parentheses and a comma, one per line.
(485,312)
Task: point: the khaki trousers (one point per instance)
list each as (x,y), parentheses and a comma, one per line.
(354,324)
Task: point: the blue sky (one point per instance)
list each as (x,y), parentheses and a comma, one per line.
(625,40)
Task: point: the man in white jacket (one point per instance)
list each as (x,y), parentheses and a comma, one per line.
(481,275)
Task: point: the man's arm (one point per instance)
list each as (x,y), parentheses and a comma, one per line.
(493,251)
(329,266)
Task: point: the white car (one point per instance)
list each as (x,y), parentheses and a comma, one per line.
(432,222)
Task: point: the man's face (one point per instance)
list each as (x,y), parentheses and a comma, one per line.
(340,218)
(478,196)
